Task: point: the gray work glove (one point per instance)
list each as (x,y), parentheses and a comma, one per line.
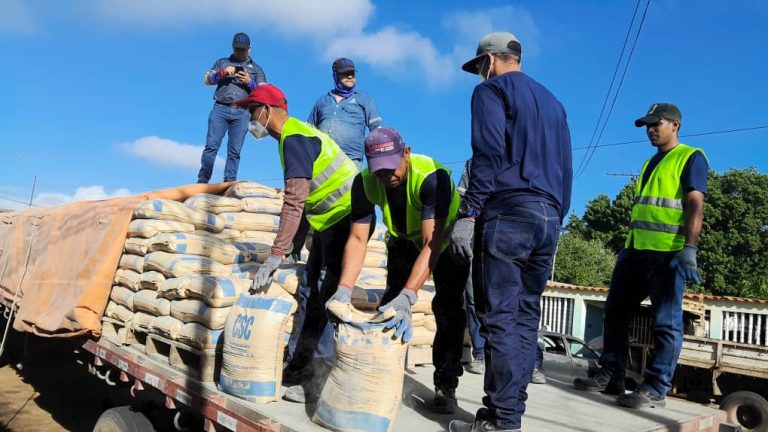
(461,240)
(402,320)
(263,276)
(685,261)
(343,294)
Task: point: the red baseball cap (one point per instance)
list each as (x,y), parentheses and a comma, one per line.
(266,94)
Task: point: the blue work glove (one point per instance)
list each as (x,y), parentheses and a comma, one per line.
(685,261)
(402,320)
(265,271)
(343,294)
(461,240)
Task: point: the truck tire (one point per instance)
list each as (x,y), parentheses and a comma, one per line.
(123,419)
(747,409)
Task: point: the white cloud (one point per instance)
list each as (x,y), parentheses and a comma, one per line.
(165,152)
(83,193)
(17,17)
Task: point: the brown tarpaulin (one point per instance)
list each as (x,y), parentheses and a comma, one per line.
(59,262)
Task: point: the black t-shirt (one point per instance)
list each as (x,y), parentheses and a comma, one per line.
(435,194)
(300,153)
(693,177)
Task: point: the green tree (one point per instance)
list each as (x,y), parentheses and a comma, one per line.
(605,220)
(583,262)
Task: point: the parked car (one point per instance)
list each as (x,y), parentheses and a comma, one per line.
(567,357)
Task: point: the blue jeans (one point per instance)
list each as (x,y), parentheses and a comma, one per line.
(221,120)
(473,323)
(450,279)
(637,275)
(513,256)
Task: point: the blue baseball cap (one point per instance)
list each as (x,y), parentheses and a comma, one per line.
(241,40)
(383,149)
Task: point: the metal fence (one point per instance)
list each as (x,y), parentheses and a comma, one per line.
(744,327)
(557,314)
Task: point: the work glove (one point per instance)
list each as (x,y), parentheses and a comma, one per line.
(461,240)
(685,261)
(265,271)
(343,294)
(402,320)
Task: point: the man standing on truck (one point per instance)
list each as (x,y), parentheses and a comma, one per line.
(234,77)
(658,258)
(519,191)
(318,181)
(419,203)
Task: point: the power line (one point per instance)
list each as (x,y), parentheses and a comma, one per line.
(715,132)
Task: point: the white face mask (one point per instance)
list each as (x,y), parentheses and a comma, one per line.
(257,129)
(480,69)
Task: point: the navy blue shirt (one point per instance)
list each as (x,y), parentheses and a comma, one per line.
(521,146)
(229,89)
(693,177)
(299,154)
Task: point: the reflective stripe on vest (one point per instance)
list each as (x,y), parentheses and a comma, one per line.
(658,222)
(329,198)
(419,168)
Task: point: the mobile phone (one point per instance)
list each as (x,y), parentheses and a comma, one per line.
(239,69)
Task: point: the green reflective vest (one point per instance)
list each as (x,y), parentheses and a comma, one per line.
(657,222)
(420,167)
(330,188)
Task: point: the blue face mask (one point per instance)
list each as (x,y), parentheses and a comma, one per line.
(340,88)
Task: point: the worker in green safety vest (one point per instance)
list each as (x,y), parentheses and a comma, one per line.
(318,181)
(419,203)
(658,258)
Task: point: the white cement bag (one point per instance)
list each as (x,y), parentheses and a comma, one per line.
(175,211)
(430,323)
(258,237)
(142,321)
(127,278)
(247,189)
(371,280)
(166,326)
(118,312)
(136,246)
(373,272)
(200,337)
(288,277)
(375,260)
(243,221)
(364,389)
(122,296)
(258,251)
(225,234)
(207,246)
(377,246)
(175,265)
(245,270)
(147,228)
(214,203)
(196,311)
(151,280)
(216,291)
(255,336)
(422,336)
(424,302)
(149,302)
(417,319)
(132,262)
(379,233)
(262,205)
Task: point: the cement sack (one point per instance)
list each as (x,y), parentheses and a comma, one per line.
(258,237)
(379,233)
(377,246)
(225,234)
(122,296)
(422,336)
(175,265)
(374,272)
(151,280)
(127,278)
(255,337)
(375,260)
(147,228)
(149,302)
(216,291)
(142,321)
(430,323)
(243,221)
(424,302)
(166,326)
(132,262)
(196,311)
(288,277)
(365,386)
(164,209)
(222,251)
(214,203)
(262,205)
(200,337)
(258,251)
(118,312)
(250,189)
(366,299)
(417,319)
(245,270)
(371,280)
(136,246)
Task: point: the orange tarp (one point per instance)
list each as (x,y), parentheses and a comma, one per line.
(58,263)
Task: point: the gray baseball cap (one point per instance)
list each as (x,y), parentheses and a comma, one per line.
(494,43)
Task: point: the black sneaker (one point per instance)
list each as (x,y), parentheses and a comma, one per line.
(445,401)
(641,398)
(477,426)
(601,382)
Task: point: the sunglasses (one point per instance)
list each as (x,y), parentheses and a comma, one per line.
(347,74)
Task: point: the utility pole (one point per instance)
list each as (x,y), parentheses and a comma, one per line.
(32,196)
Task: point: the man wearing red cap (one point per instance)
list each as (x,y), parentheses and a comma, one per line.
(419,204)
(318,180)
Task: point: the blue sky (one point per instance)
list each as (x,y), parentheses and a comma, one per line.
(105,98)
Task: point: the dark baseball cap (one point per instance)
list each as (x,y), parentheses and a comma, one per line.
(383,149)
(494,43)
(241,40)
(265,94)
(343,65)
(659,111)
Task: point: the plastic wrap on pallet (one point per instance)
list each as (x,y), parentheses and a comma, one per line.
(214,203)
(175,265)
(223,251)
(146,228)
(197,311)
(216,291)
(164,209)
